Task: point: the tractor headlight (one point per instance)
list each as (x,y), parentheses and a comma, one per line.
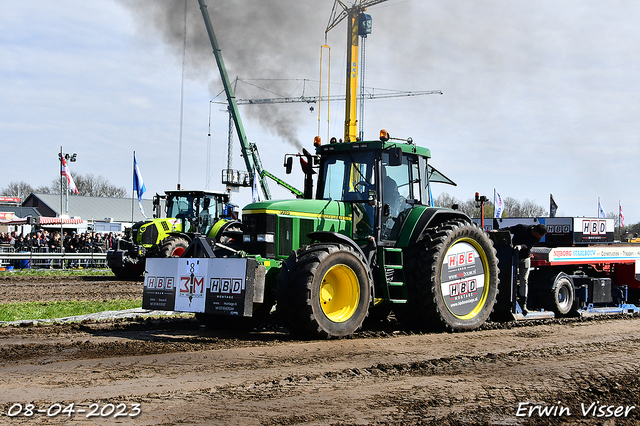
(265,238)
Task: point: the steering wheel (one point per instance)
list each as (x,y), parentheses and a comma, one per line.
(364,183)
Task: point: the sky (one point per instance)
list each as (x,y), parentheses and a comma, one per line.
(539,97)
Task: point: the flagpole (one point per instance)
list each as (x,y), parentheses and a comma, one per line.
(133,191)
(620,218)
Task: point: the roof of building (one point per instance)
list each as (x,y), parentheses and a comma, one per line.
(20,211)
(95,208)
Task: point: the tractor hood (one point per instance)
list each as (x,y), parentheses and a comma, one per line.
(315,209)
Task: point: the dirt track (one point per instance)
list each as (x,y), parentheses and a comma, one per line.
(180,372)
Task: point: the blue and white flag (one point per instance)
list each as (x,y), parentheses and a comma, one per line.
(498,205)
(601,212)
(138,183)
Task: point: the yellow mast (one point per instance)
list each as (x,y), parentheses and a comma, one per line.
(352,14)
(351,108)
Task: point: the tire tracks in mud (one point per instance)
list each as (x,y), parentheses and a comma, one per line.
(376,377)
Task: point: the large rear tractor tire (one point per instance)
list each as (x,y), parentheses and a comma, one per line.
(452,279)
(323,291)
(173,247)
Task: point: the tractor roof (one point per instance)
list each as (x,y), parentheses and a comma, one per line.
(373,145)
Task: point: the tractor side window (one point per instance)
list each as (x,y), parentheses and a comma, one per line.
(397,188)
(426,196)
(334,177)
(182,208)
(205,213)
(415,181)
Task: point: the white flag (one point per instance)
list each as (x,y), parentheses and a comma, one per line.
(498,205)
(255,190)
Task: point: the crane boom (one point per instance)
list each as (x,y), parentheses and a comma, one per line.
(316,99)
(251,156)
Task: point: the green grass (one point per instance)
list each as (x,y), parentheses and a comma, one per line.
(50,310)
(56,272)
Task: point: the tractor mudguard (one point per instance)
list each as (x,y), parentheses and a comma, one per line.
(335,237)
(213,232)
(421,218)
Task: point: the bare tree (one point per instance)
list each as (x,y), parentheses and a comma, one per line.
(17,189)
(445,200)
(526,208)
(467,207)
(90,186)
(512,207)
(42,190)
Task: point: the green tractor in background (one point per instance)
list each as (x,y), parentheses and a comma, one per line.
(369,242)
(187,213)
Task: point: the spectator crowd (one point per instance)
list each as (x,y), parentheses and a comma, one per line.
(44,241)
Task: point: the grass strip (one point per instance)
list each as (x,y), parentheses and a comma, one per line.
(55,272)
(61,309)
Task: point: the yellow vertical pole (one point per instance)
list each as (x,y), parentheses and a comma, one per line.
(351,123)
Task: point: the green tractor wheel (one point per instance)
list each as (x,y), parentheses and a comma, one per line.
(452,279)
(324,290)
(173,247)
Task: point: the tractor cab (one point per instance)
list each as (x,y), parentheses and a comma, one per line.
(383,181)
(197,210)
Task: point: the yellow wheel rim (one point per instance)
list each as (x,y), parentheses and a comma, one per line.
(339,293)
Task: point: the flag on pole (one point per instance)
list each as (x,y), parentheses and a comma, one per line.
(64,171)
(553,207)
(621,217)
(498,205)
(138,184)
(255,189)
(601,212)
(430,196)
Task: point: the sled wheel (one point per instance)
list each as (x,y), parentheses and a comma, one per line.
(323,290)
(452,279)
(562,295)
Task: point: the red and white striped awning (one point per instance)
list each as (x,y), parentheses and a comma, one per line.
(59,221)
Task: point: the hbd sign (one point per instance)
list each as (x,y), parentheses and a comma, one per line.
(594,227)
(226,285)
(462,288)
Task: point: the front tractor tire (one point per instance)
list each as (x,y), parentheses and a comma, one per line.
(452,279)
(173,247)
(323,291)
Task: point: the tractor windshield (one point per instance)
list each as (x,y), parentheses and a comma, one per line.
(348,177)
(197,212)
(180,206)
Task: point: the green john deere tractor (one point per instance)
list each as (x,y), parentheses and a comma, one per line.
(187,213)
(368,242)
